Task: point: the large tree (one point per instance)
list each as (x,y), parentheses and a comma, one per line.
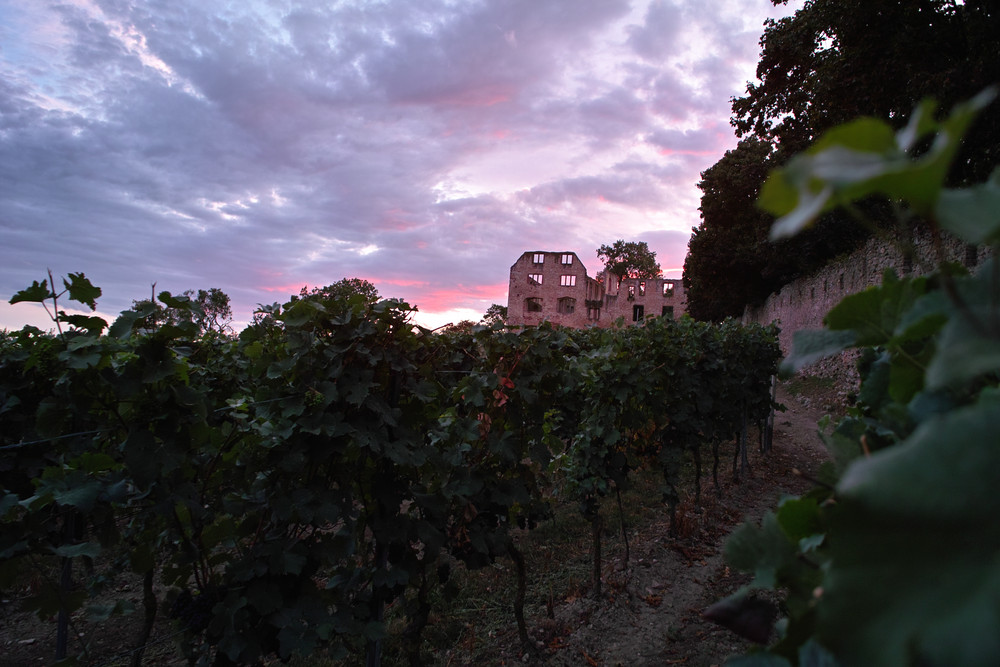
(832,61)
(342,290)
(727,252)
(835,60)
(629,259)
(210,310)
(496,314)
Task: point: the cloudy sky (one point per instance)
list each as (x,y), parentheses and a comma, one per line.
(262,145)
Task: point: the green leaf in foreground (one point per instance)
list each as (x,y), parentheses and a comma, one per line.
(972,214)
(875,313)
(812,345)
(37,293)
(81,290)
(92,325)
(763,550)
(89,549)
(860,159)
(914,560)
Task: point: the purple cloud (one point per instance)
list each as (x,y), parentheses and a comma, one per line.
(422,146)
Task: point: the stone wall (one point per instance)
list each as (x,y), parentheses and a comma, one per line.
(803,303)
(540,279)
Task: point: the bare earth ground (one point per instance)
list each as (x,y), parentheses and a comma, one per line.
(650,613)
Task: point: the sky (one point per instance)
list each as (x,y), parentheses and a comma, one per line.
(259,146)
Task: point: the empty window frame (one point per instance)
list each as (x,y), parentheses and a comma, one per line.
(534,279)
(533,305)
(631,291)
(642,288)
(567,305)
(668,312)
(668,289)
(638,313)
(538,258)
(593,314)
(567,281)
(566,259)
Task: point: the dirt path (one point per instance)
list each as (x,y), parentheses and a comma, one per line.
(652,612)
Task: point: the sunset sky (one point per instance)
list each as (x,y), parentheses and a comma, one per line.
(423,145)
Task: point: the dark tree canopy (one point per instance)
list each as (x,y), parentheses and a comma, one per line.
(495,314)
(727,252)
(830,62)
(462,326)
(210,310)
(343,290)
(629,259)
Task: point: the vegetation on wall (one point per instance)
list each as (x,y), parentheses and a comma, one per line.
(629,259)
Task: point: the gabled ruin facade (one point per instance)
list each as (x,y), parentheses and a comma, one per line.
(554,286)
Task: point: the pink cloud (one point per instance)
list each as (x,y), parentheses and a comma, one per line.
(444,299)
(476,97)
(290,288)
(402,283)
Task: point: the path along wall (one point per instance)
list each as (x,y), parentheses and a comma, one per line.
(803,303)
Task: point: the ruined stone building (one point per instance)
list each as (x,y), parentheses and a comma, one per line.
(554,286)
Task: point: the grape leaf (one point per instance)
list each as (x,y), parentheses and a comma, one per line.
(81,290)
(37,293)
(906,515)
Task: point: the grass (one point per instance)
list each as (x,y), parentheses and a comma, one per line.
(809,385)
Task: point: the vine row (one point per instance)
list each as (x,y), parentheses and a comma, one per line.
(287,485)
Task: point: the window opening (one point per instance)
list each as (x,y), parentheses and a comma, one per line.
(567,259)
(533,305)
(638,312)
(567,305)
(668,289)
(567,281)
(539,258)
(534,279)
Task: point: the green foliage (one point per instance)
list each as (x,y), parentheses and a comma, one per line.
(496,315)
(865,157)
(893,560)
(344,290)
(831,62)
(288,486)
(78,288)
(731,240)
(208,309)
(629,259)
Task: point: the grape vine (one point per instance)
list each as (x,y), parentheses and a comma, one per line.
(289,484)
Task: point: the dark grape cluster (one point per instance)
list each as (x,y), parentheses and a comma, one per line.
(194,611)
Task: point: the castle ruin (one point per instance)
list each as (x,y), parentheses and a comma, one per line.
(554,286)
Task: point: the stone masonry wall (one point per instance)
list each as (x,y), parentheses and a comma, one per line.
(803,303)
(554,286)
(555,268)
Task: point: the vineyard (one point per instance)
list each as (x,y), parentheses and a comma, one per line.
(334,463)
(320,482)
